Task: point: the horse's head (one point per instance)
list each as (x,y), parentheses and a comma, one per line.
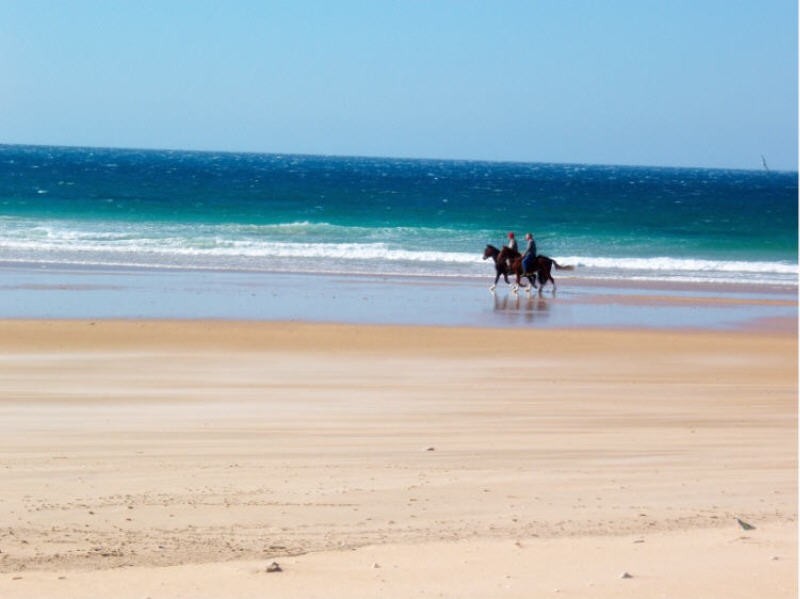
(490,252)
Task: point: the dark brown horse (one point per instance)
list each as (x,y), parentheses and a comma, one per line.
(509,262)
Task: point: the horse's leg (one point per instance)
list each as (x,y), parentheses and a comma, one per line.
(550,276)
(519,284)
(503,270)
(517,268)
(532,281)
(544,276)
(551,280)
(496,278)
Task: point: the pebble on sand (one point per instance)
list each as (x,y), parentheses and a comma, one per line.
(745,525)
(626,575)
(274,567)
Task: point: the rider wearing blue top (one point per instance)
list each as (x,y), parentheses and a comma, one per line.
(530,254)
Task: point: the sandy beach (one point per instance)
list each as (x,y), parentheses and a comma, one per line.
(147,458)
(405,300)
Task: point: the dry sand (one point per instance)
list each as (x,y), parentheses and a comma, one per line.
(179,459)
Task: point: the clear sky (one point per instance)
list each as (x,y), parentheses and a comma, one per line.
(709,83)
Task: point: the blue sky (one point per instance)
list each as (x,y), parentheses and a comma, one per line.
(670,82)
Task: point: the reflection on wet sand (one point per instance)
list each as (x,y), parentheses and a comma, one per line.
(30,292)
(531,306)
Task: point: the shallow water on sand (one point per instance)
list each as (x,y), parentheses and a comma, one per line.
(64,293)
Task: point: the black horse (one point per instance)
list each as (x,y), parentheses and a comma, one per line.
(509,262)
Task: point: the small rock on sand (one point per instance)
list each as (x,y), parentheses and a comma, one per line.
(274,567)
(626,575)
(745,525)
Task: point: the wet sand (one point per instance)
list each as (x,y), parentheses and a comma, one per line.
(180,458)
(47,292)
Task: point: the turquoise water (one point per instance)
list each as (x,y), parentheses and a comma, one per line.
(234,212)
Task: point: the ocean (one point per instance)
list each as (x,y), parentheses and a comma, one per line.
(121,208)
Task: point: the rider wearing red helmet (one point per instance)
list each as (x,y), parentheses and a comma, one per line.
(511,245)
(512,242)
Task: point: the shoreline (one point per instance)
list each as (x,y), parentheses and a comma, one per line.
(678,284)
(408,301)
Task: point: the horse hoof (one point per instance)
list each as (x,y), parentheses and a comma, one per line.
(492,288)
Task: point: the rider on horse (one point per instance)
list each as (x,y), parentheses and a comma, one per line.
(511,245)
(530,254)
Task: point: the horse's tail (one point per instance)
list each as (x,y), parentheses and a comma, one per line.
(560,266)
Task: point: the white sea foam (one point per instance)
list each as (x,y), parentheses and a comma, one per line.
(667,264)
(303,246)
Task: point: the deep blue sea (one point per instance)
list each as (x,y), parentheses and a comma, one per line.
(290,213)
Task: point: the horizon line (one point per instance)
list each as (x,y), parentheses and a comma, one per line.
(390,157)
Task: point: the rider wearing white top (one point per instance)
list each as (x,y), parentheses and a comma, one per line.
(512,243)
